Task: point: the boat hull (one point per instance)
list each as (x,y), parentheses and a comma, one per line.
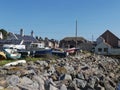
(12,54)
(72,50)
(59,54)
(43,52)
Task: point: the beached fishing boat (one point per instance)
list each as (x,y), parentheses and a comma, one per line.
(12,53)
(24,53)
(72,50)
(11,50)
(42,52)
(38,50)
(59,52)
(2,55)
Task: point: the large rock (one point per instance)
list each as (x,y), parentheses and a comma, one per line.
(40,82)
(25,81)
(1,88)
(12,88)
(13,80)
(3,83)
(80,83)
(63,87)
(53,87)
(61,70)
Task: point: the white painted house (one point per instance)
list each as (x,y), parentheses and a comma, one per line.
(102,47)
(108,44)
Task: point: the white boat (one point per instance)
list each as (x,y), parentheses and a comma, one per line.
(14,46)
(12,53)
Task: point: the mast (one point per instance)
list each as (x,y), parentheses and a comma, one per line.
(76,34)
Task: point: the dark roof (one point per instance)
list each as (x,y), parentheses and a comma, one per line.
(10,41)
(74,39)
(17,39)
(110,38)
(26,38)
(107,32)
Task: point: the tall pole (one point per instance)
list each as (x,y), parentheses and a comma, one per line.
(76,34)
(92,38)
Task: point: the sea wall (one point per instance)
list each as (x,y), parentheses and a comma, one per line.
(84,71)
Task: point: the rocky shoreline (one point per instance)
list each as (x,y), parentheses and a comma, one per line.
(80,72)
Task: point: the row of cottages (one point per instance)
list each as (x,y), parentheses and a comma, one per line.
(108,44)
(27,40)
(78,42)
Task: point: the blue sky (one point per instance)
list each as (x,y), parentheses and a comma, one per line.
(56,18)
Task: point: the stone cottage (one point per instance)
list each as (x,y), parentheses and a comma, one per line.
(79,42)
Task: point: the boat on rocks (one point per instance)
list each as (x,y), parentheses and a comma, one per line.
(72,50)
(42,52)
(12,53)
(59,52)
(24,53)
(38,50)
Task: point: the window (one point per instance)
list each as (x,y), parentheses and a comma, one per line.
(99,49)
(105,49)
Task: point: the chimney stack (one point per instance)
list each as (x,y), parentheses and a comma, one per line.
(21,32)
(32,33)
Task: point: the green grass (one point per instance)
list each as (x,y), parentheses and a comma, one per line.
(33,59)
(3,62)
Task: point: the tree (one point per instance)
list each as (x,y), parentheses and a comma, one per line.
(4,32)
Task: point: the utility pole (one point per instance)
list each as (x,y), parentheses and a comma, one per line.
(92,38)
(76,34)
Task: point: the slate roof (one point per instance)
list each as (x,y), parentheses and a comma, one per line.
(107,32)
(10,41)
(110,38)
(74,39)
(26,38)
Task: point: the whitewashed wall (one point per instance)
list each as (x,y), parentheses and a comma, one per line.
(115,51)
(102,46)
